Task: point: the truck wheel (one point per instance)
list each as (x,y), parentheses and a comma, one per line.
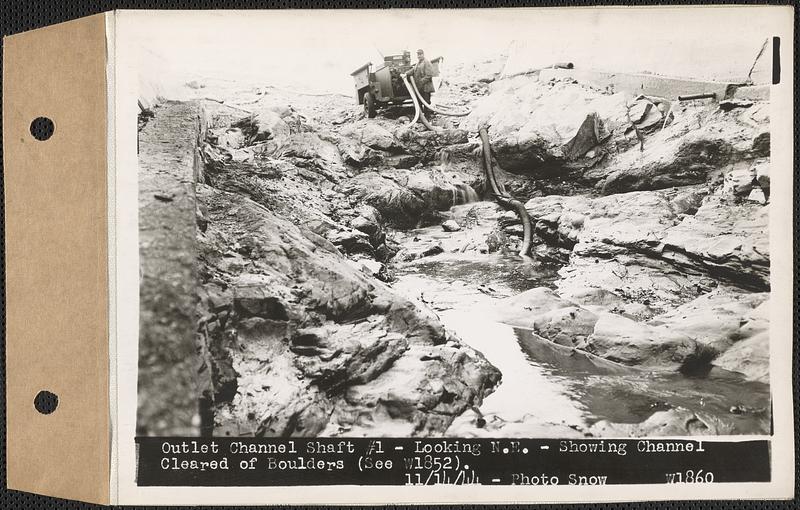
(369,105)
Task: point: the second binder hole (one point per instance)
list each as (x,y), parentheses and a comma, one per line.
(45,402)
(42,128)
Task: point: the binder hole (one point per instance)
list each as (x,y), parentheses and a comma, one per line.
(42,128)
(45,402)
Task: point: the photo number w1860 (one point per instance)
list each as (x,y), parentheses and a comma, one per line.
(691,476)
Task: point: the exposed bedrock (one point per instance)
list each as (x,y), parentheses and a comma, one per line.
(300,335)
(699,233)
(665,280)
(301,174)
(673,422)
(408,198)
(384,143)
(656,211)
(619,142)
(670,269)
(302,343)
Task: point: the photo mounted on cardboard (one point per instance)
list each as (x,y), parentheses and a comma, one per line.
(449,256)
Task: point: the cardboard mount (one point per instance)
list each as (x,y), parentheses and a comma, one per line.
(57,336)
(57,281)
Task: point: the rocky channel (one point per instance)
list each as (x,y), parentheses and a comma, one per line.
(339,259)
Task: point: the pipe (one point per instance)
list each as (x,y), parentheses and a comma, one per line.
(707,95)
(504,198)
(422,100)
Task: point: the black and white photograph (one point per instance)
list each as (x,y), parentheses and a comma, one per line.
(455,224)
(401,256)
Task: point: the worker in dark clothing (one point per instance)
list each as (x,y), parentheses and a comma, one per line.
(423,76)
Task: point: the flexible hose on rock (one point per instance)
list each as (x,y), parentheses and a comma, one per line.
(427,123)
(504,198)
(422,100)
(414,99)
(417,109)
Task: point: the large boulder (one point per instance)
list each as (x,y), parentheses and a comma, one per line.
(626,341)
(396,203)
(369,221)
(357,154)
(407,197)
(569,326)
(531,155)
(523,309)
(427,145)
(699,233)
(441,190)
(531,122)
(351,241)
(309,146)
(264,124)
(373,134)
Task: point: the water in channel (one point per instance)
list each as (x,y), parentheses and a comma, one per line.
(545,383)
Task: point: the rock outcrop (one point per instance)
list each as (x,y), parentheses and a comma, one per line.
(674,422)
(531,122)
(620,142)
(668,237)
(410,198)
(299,333)
(302,343)
(700,233)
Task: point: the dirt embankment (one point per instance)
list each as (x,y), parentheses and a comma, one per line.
(168,361)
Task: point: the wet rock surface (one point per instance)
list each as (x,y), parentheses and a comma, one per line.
(676,255)
(663,215)
(313,346)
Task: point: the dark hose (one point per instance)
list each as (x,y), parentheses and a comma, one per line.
(504,198)
(707,95)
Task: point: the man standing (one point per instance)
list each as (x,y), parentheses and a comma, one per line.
(423,77)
